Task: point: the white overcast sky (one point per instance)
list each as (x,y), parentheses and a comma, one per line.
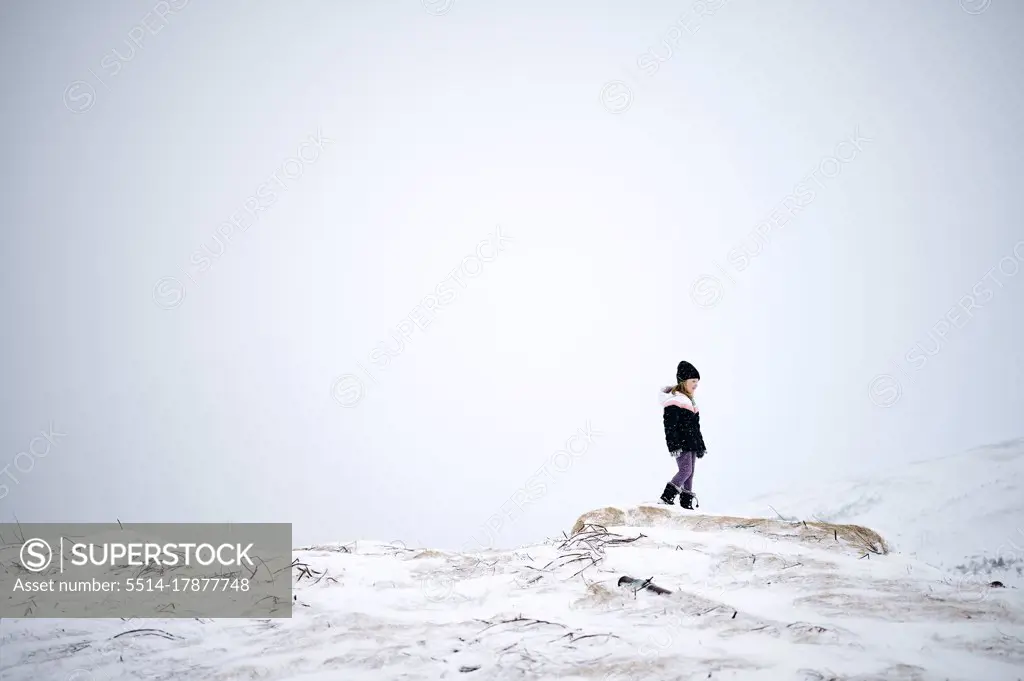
(192,376)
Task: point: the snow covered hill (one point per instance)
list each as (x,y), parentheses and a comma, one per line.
(963,513)
(790,596)
(751,599)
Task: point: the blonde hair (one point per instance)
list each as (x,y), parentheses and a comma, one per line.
(679,388)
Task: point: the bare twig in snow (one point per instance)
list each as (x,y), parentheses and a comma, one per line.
(149,632)
(530,622)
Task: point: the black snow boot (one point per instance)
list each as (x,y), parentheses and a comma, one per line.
(669,495)
(688,500)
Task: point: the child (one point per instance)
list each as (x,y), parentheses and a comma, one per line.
(682,434)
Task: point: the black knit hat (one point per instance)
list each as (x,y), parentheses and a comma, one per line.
(685,371)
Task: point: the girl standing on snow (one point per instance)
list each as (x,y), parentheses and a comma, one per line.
(682,434)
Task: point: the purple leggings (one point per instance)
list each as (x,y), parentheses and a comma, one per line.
(684,478)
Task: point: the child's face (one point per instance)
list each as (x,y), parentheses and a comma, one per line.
(691,384)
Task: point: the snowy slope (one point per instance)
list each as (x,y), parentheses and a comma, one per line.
(751,600)
(963,513)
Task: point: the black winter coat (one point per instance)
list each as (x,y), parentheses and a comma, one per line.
(682,423)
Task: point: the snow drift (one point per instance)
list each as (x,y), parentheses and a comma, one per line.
(963,513)
(833,594)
